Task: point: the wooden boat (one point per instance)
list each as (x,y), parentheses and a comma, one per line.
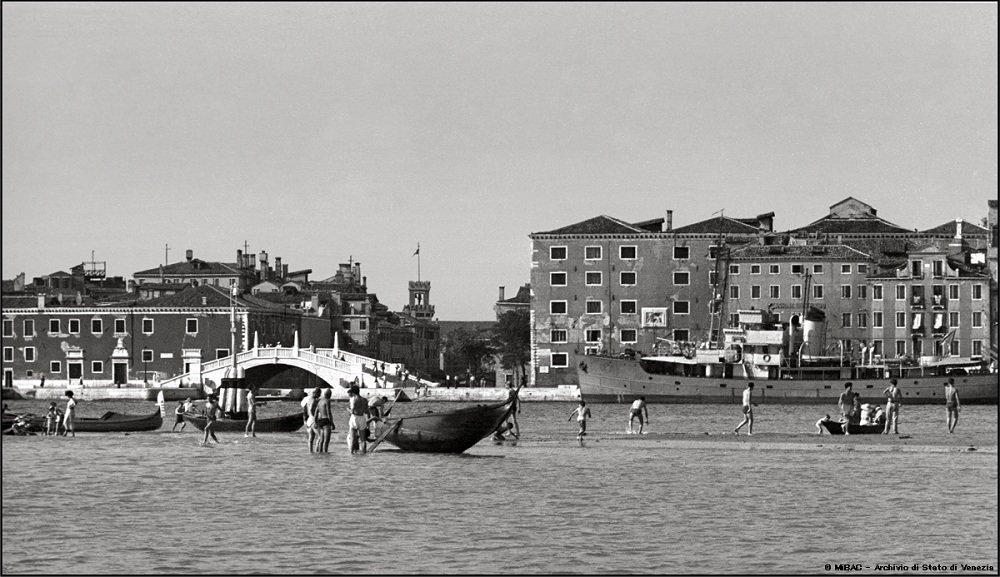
(445,432)
(837,428)
(283,424)
(110,422)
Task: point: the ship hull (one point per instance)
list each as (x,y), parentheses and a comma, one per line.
(611,380)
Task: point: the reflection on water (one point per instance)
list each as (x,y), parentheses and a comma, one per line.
(159,503)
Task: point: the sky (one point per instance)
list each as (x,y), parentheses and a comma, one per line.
(323,133)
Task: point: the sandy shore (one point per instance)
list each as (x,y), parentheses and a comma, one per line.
(956,442)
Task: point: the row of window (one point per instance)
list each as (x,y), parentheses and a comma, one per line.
(629,252)
(30,355)
(73,327)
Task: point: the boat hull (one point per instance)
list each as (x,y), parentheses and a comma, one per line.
(284,424)
(612,380)
(111,422)
(445,432)
(837,428)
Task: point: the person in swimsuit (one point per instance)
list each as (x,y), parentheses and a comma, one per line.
(512,392)
(951,404)
(638,408)
(324,421)
(52,419)
(212,411)
(69,417)
(251,429)
(179,417)
(582,413)
(846,404)
(747,409)
(357,431)
(893,397)
(309,416)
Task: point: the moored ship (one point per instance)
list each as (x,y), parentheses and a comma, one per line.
(783,371)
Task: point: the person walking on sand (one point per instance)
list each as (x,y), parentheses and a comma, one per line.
(951,403)
(893,396)
(747,410)
(846,403)
(69,417)
(582,413)
(212,412)
(638,408)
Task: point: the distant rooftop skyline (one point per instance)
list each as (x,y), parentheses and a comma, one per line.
(327,132)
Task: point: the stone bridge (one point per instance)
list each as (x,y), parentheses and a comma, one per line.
(335,367)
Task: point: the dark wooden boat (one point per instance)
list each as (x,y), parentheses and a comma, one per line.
(283,424)
(837,428)
(110,422)
(445,432)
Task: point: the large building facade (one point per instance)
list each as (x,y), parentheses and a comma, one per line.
(604,286)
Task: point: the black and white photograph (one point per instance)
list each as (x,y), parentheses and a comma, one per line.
(668,288)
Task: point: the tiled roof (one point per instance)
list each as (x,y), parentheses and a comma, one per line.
(214,296)
(19,302)
(833,225)
(721,225)
(597,225)
(471,326)
(819,251)
(949,228)
(192,267)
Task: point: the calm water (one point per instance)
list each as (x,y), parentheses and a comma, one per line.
(159,503)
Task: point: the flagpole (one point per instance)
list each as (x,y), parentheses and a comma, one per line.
(417,254)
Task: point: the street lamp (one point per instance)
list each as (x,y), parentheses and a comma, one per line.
(145,373)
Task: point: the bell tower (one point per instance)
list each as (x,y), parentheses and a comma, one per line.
(420,306)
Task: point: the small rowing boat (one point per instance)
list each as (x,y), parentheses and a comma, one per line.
(109,422)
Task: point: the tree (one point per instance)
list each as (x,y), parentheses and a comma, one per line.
(468,351)
(512,339)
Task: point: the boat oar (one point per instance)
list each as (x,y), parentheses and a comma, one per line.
(385,434)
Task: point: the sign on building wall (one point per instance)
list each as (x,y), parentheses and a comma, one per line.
(654,317)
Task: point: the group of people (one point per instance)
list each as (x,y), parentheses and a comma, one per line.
(317,412)
(852,412)
(638,410)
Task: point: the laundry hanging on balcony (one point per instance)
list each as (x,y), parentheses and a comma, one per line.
(918,320)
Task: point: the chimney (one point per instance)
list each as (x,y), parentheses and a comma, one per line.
(670,220)
(315,303)
(284,271)
(189,254)
(239,258)
(79,298)
(501,294)
(204,301)
(958,229)
(364,282)
(277,265)
(262,260)
(41,301)
(60,299)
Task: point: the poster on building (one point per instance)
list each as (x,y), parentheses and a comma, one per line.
(654,317)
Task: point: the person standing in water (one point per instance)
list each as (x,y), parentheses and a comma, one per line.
(747,409)
(251,429)
(69,417)
(892,398)
(951,404)
(212,411)
(637,410)
(582,414)
(357,429)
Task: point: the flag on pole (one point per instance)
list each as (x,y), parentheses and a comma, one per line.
(418,251)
